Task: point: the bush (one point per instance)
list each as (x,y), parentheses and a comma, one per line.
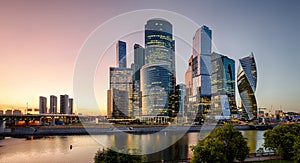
(111,156)
(296,148)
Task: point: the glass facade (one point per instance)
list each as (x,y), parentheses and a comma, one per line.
(180,101)
(159,69)
(202,51)
(246,81)
(223,85)
(155,86)
(120,84)
(199,85)
(139,62)
(121,54)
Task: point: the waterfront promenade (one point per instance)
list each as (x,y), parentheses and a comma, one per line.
(107,129)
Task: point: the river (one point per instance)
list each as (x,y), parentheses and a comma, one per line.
(84,147)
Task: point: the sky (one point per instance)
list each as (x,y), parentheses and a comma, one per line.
(40,42)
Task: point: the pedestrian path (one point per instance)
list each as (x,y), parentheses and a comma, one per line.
(261,158)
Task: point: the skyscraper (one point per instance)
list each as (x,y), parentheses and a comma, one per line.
(64,104)
(121,54)
(190,99)
(159,43)
(155,90)
(139,62)
(43,105)
(246,81)
(53,104)
(223,85)
(199,82)
(120,92)
(158,74)
(119,95)
(70,106)
(180,94)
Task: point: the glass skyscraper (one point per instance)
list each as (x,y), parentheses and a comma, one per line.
(121,54)
(246,81)
(155,89)
(139,62)
(198,79)
(119,95)
(223,85)
(180,100)
(158,74)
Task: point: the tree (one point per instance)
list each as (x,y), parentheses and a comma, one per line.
(112,156)
(209,150)
(296,148)
(225,144)
(281,139)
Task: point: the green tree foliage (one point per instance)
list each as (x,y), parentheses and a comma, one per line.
(112,156)
(225,144)
(281,139)
(296,148)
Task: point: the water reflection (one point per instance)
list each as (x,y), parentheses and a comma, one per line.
(178,151)
(57,148)
(255,139)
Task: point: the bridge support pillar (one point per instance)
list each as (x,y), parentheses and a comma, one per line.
(41,122)
(53,121)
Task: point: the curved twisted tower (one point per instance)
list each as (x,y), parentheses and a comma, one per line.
(246,81)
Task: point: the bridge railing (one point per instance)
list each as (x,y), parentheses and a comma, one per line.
(261,154)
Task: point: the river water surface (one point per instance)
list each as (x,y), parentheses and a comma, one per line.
(57,148)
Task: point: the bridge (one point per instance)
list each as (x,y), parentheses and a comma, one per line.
(44,119)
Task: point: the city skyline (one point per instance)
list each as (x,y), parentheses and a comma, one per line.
(39,52)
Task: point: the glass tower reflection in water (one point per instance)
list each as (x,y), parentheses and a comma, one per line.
(246,81)
(158,73)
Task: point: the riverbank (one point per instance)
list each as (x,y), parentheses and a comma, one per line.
(106,129)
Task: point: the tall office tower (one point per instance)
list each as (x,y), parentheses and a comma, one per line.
(121,54)
(53,104)
(246,81)
(189,89)
(200,97)
(223,86)
(180,92)
(159,44)
(158,77)
(70,106)
(43,105)
(139,61)
(120,92)
(64,104)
